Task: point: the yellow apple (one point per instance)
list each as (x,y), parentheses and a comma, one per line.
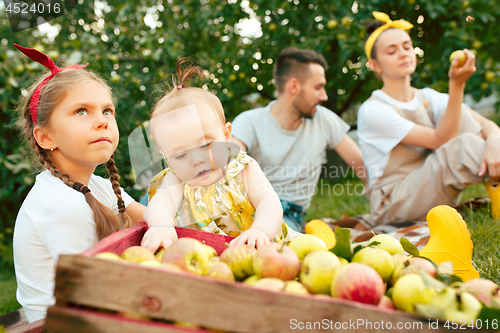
(136,254)
(305,244)
(317,271)
(410,290)
(387,243)
(461,57)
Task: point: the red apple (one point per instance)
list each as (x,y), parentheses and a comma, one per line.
(386,303)
(240,258)
(413,265)
(276,260)
(484,290)
(358,282)
(188,254)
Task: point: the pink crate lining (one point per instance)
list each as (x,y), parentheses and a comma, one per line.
(123,239)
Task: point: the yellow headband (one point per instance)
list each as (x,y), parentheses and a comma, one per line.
(401,24)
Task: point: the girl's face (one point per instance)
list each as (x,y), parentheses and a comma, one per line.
(193,140)
(395,56)
(82,130)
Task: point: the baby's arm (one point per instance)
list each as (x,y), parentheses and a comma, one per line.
(268,210)
(160,214)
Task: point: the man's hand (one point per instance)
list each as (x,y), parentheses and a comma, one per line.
(159,235)
(491,159)
(253,237)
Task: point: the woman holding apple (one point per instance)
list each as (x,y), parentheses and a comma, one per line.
(421,147)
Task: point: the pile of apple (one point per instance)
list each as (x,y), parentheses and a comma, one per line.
(379,273)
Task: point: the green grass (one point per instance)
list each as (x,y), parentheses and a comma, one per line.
(334,199)
(8,283)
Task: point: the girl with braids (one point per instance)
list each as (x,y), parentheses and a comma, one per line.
(209,185)
(68,119)
(421,147)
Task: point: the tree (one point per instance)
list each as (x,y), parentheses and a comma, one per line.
(135,45)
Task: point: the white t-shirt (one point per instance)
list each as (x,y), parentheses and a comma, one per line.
(54,219)
(381,128)
(291,160)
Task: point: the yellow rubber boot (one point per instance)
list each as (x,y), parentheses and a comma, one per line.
(450,240)
(494,192)
(322,230)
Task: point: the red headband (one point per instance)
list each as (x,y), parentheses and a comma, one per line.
(43,59)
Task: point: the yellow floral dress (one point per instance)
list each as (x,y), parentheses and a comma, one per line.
(220,208)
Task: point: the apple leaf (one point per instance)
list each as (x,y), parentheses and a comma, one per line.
(357,248)
(448,278)
(343,246)
(488,314)
(409,247)
(431,282)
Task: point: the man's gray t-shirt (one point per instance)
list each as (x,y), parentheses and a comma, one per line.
(291,160)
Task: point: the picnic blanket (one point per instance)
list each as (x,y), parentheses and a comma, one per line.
(417,232)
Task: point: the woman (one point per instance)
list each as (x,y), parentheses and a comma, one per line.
(421,147)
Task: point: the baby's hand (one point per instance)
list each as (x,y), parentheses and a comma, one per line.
(159,235)
(253,237)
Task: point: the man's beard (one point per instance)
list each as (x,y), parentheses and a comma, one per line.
(300,108)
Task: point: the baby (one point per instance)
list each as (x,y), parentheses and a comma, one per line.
(209,185)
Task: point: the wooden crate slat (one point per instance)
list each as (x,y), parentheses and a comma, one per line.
(61,319)
(202,301)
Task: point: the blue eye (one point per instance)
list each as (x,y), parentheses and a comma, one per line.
(180,157)
(108,112)
(81,112)
(206,146)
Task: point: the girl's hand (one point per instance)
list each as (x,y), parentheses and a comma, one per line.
(459,75)
(491,159)
(253,237)
(159,235)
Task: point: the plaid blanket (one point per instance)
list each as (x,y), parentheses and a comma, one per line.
(417,232)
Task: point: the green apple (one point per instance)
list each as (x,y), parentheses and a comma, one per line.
(387,243)
(490,75)
(53,54)
(346,20)
(232,77)
(188,254)
(220,270)
(136,254)
(305,244)
(115,78)
(251,280)
(295,287)
(240,258)
(477,44)
(378,259)
(467,309)
(211,252)
(317,271)
(410,290)
(461,57)
(332,24)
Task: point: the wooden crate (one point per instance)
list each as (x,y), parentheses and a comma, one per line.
(84,281)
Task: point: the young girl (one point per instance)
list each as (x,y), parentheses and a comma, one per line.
(68,119)
(208,185)
(421,147)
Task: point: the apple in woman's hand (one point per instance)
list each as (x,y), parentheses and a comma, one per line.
(461,57)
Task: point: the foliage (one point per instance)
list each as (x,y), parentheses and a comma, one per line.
(135,45)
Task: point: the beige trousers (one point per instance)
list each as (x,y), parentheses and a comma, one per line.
(445,173)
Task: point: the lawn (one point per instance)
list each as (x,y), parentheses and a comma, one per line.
(334,199)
